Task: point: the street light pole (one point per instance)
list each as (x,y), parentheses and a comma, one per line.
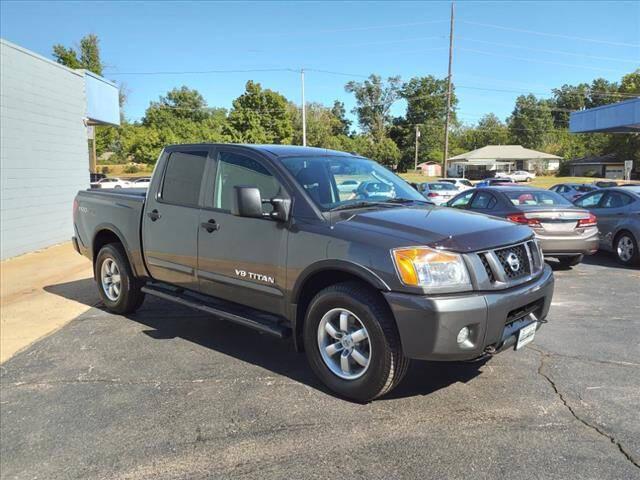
(446,122)
(304,112)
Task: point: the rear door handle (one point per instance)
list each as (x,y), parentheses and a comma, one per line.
(210,226)
(154,215)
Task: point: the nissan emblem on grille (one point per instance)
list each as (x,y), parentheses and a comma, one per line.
(513,261)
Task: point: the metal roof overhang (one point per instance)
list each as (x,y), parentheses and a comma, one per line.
(622,117)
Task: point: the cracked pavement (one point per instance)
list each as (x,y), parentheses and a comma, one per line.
(171,393)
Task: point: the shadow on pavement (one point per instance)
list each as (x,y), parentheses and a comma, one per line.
(601,259)
(168,320)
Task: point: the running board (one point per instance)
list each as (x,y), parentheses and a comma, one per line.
(249,317)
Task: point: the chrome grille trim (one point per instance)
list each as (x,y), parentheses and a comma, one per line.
(491,274)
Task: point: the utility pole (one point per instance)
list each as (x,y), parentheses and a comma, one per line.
(304,112)
(446,122)
(417,138)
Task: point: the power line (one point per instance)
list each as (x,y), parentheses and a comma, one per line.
(555,35)
(531,60)
(198,72)
(559,52)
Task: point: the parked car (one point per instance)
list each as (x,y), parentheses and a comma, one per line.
(438,192)
(141,182)
(94,177)
(374,189)
(348,186)
(461,184)
(488,182)
(517,176)
(573,191)
(111,182)
(618,212)
(605,183)
(564,231)
(259,236)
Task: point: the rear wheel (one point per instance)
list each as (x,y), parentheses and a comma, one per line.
(571,261)
(626,249)
(119,289)
(352,343)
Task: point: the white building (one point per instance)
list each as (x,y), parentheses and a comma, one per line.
(44,156)
(507,158)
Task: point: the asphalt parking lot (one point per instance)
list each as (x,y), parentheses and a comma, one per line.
(172,393)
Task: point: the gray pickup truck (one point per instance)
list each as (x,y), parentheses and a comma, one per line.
(327,247)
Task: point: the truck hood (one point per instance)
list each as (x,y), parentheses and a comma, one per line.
(448,228)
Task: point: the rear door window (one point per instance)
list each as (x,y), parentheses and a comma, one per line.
(183,178)
(483,201)
(616,200)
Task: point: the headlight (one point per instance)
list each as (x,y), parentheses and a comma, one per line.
(431,269)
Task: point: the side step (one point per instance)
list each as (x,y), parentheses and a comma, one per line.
(249,317)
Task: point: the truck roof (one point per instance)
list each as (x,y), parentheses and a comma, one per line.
(273,150)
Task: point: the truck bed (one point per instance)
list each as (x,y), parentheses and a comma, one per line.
(118,210)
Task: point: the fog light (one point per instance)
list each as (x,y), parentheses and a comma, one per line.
(463,335)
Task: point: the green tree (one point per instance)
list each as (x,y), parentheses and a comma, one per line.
(374,99)
(630,84)
(531,122)
(89,58)
(260,116)
(322,125)
(566,99)
(339,112)
(490,130)
(180,103)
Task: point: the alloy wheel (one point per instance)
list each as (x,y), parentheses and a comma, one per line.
(625,248)
(111,282)
(344,344)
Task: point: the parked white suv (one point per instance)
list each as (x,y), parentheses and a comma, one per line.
(518,175)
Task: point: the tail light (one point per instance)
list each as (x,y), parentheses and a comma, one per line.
(433,194)
(522,218)
(590,221)
(75,208)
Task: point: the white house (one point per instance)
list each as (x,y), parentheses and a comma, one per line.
(491,158)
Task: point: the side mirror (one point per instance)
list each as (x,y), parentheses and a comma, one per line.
(247,202)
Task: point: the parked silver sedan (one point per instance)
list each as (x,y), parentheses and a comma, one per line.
(564,231)
(618,212)
(438,192)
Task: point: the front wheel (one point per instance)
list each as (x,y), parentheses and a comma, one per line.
(352,343)
(626,249)
(119,289)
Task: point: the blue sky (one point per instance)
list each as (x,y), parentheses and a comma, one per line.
(497,55)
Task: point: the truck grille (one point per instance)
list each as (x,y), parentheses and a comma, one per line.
(508,266)
(514,261)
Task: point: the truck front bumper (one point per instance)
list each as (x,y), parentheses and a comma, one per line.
(429,325)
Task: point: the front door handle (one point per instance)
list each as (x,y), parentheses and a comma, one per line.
(210,226)
(154,215)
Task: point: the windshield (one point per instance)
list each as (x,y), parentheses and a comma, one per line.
(336,181)
(536,198)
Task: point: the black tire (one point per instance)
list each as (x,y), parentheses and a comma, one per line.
(570,261)
(130,296)
(634,259)
(387,366)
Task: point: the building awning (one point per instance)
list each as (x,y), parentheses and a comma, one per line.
(621,117)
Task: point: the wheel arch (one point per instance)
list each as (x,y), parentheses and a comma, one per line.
(105,234)
(320,276)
